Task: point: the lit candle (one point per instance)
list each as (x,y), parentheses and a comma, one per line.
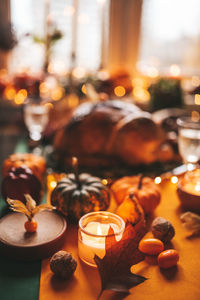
(191,183)
(192,188)
(93,229)
(189,190)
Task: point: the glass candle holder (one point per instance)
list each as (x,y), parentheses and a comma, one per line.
(189,140)
(192,182)
(93,230)
(189,191)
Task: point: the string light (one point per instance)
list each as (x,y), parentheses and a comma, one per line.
(104,181)
(174,179)
(20,96)
(9,93)
(119,91)
(53,184)
(157,180)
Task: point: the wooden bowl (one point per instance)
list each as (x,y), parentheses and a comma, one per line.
(16,243)
(189,201)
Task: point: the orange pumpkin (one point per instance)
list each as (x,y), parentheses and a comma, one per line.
(34,162)
(120,187)
(145,190)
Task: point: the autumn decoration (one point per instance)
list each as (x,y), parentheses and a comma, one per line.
(78,194)
(114,267)
(145,190)
(162,229)
(29,209)
(168,258)
(131,211)
(34,162)
(191,223)
(63,264)
(151,246)
(188,190)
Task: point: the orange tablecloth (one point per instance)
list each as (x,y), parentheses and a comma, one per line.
(181,283)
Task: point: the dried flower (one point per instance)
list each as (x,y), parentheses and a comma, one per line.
(29,209)
(191,222)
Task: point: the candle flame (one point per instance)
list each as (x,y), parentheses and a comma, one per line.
(174,179)
(197,187)
(99,231)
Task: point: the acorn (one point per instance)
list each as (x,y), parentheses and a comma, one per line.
(63,265)
(162,229)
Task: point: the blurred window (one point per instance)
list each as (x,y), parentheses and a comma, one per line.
(28,18)
(170,35)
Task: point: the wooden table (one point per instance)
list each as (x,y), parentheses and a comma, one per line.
(33,281)
(178,283)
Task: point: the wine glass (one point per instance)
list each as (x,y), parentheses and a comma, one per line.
(189,141)
(36,116)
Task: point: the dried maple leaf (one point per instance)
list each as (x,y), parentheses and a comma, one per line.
(114,267)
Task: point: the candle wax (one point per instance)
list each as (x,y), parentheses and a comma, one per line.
(89,245)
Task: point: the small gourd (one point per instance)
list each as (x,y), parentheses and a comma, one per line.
(151,246)
(78,194)
(168,258)
(145,190)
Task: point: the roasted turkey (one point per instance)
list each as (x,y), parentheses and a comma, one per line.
(111,132)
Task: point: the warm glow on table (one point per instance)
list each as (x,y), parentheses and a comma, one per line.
(52,180)
(191,182)
(192,188)
(91,245)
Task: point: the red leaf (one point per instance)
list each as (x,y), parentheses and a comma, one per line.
(114,267)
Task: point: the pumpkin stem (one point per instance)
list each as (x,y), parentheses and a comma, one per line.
(75,167)
(140,182)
